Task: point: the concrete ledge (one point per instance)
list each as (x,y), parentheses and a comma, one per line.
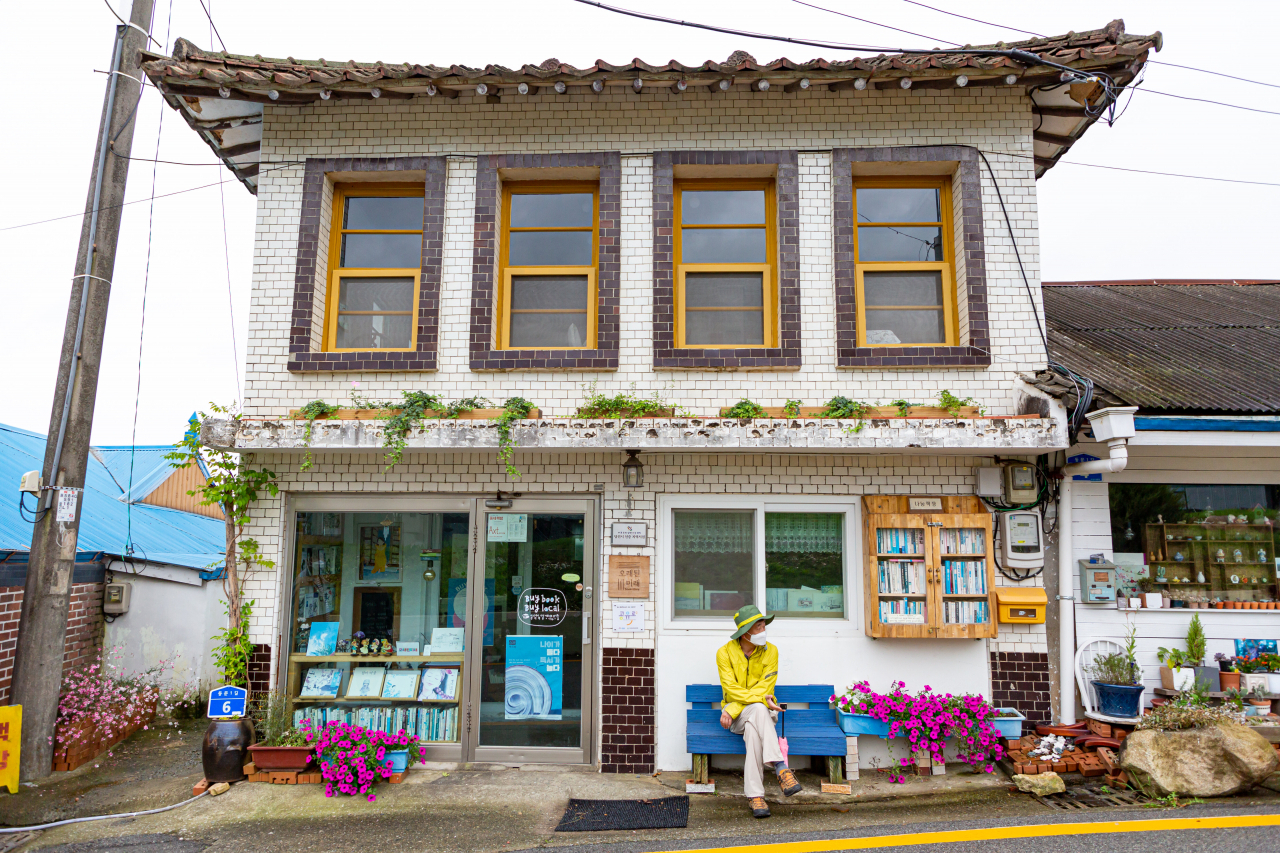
(975,436)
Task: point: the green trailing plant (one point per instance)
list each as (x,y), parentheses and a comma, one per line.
(312,412)
(628,404)
(1195,641)
(903,407)
(514,409)
(1196,697)
(745,409)
(234,485)
(1171,717)
(952,403)
(844,409)
(791,408)
(1232,697)
(415,408)
(234,648)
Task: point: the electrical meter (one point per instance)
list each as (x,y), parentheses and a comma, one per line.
(1021,542)
(1020,484)
(115,598)
(1097,581)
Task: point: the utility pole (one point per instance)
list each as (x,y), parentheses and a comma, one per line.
(37,672)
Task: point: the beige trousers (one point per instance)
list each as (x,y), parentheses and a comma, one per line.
(755,724)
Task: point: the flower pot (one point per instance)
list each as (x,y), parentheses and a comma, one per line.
(1119,700)
(1182,678)
(862,724)
(1229,680)
(223,751)
(1251,680)
(1208,677)
(1273,682)
(1008,722)
(1151,600)
(396,761)
(269,758)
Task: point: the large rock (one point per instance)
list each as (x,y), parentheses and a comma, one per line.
(1214,761)
(1041,784)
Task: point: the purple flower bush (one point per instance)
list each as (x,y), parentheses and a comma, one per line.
(353,759)
(927,719)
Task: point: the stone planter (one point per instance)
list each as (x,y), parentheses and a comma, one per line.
(268,758)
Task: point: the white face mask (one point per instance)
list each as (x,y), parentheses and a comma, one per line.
(757,639)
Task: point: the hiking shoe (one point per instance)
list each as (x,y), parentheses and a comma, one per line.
(788,782)
(759,808)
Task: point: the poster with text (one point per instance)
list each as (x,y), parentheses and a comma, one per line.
(534,678)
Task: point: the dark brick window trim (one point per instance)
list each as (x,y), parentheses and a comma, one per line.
(484,265)
(306,299)
(970,251)
(786,356)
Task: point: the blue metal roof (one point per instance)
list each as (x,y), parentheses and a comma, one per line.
(159,534)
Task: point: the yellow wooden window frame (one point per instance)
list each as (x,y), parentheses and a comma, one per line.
(340,194)
(768,268)
(506,272)
(945,266)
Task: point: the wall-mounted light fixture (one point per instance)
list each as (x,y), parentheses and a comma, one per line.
(632,471)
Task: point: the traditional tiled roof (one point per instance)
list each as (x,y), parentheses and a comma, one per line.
(221,95)
(1178,347)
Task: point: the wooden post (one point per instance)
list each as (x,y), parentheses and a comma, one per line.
(701,768)
(42,632)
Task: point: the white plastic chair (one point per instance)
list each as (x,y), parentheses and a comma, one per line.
(1088,652)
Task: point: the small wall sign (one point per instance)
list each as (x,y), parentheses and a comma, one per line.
(630,533)
(227,702)
(628,576)
(925,504)
(628,616)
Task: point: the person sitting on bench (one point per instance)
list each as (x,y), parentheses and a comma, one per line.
(748,668)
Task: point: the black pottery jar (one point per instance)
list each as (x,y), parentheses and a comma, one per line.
(225,750)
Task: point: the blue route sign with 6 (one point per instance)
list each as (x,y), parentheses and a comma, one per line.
(227,702)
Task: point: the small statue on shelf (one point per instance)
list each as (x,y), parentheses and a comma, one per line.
(1221,556)
(364,646)
(387,648)
(1237,555)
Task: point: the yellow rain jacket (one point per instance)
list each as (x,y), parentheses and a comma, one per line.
(743,679)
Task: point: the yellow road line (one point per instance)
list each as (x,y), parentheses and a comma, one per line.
(1001,832)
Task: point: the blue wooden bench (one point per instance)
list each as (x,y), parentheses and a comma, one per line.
(815,731)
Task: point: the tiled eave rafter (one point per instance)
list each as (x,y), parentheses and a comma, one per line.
(192,76)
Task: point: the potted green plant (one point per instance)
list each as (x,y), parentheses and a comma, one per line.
(1150,598)
(282,746)
(1259,701)
(1228,675)
(1273,672)
(1116,680)
(1175,674)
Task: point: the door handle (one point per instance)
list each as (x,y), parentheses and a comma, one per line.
(586,629)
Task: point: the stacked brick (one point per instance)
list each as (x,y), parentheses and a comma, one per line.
(87,745)
(627,711)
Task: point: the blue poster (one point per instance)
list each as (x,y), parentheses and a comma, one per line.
(458,606)
(1250,649)
(535,677)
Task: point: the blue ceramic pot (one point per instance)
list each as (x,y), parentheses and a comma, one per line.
(1119,700)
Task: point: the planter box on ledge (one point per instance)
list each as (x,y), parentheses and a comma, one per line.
(380,414)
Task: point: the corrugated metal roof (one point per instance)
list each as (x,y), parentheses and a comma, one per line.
(1198,347)
(150,468)
(160,535)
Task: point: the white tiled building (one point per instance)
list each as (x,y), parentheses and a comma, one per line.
(684,233)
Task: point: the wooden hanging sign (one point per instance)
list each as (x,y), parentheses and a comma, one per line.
(628,576)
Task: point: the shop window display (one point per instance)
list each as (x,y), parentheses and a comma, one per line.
(377,620)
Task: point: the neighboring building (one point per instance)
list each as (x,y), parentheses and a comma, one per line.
(175,604)
(1198,360)
(681,231)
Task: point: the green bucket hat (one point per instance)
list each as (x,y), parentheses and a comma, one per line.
(746,617)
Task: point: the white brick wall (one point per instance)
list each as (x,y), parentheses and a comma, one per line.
(814,122)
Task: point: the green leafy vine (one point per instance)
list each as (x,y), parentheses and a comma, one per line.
(952,403)
(413,410)
(844,409)
(313,411)
(791,408)
(628,404)
(745,409)
(514,409)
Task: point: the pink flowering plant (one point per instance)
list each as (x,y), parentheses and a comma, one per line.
(354,759)
(927,719)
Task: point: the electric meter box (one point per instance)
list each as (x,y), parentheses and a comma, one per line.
(115,598)
(1020,484)
(1021,604)
(1097,582)
(1021,540)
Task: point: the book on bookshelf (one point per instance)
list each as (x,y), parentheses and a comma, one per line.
(400,684)
(902,577)
(961,540)
(965,612)
(439,684)
(366,682)
(321,683)
(901,611)
(964,577)
(323,639)
(899,540)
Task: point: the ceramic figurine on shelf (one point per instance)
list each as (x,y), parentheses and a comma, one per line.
(1179,557)
(1159,518)
(1262,555)
(1199,577)
(1231,519)
(1237,555)
(1221,556)
(364,646)
(1160,572)
(344,647)
(387,648)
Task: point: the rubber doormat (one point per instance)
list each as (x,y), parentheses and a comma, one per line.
(604,815)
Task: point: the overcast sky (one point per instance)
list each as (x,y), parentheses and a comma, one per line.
(1094,223)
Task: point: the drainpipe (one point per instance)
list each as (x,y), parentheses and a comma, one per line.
(1114,425)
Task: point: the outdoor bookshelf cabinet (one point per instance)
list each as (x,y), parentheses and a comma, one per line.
(928,574)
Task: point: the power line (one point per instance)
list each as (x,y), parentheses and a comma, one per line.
(873,23)
(226,256)
(140,200)
(975,20)
(1141,171)
(1207,101)
(1214,73)
(213,26)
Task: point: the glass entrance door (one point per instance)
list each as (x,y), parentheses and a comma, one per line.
(530,637)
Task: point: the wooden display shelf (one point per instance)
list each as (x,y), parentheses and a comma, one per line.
(382,414)
(445,657)
(963,512)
